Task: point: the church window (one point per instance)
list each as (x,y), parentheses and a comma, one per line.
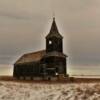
(50,42)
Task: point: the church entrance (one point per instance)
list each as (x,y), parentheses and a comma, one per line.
(51,71)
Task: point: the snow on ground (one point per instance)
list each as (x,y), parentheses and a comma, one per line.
(34,91)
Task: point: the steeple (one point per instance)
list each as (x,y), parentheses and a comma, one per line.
(54,30)
(54,41)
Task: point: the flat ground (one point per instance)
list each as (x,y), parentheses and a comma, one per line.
(13,90)
(69,80)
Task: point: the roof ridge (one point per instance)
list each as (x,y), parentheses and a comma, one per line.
(34,52)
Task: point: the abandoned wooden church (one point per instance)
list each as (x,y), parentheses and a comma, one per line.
(45,63)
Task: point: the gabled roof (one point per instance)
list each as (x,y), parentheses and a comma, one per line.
(54,31)
(31,57)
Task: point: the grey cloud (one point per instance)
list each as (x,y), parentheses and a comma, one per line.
(15,16)
(24,25)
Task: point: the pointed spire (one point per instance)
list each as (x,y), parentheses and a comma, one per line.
(54,30)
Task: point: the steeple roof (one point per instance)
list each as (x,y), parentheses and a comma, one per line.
(54,30)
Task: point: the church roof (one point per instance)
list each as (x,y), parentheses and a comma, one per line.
(55,53)
(54,31)
(31,57)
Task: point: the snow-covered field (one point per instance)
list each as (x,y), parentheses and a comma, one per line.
(33,91)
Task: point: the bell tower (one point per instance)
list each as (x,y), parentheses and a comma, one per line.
(54,39)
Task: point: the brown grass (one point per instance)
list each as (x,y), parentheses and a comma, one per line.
(69,80)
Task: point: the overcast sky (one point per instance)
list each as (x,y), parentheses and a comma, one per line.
(25,23)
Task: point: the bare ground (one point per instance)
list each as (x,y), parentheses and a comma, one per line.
(67,80)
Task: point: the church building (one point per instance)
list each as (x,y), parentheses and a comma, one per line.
(50,62)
